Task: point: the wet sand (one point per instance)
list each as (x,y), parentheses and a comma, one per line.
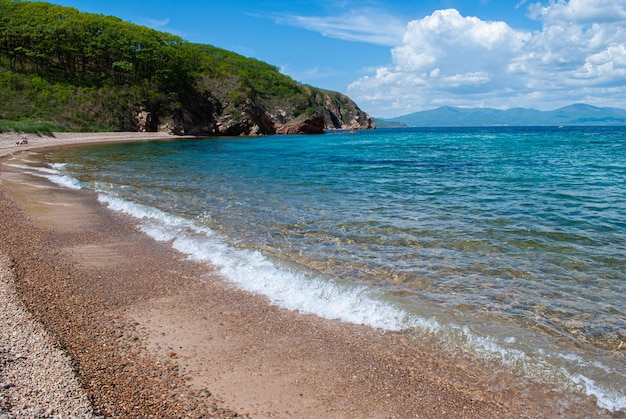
(151,334)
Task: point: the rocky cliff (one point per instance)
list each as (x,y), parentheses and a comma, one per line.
(216,113)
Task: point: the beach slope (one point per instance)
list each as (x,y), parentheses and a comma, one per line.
(147,333)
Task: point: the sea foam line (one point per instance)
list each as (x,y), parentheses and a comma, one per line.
(52,174)
(253,272)
(606,399)
(286,288)
(294,290)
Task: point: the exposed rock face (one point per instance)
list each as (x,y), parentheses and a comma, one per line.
(218,112)
(263,122)
(249,119)
(144,120)
(311,125)
(343,113)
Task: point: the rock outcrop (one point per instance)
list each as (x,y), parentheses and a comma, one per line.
(144,120)
(342,112)
(222,113)
(308,125)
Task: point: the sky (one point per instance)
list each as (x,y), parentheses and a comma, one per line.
(398,57)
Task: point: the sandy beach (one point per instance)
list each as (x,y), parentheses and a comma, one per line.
(136,330)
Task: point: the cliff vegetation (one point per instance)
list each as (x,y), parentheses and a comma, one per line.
(72,71)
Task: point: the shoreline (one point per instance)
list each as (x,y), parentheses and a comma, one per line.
(225,350)
(8,140)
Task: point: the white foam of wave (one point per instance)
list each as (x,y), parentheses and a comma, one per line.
(295,290)
(53,174)
(606,399)
(489,345)
(65,181)
(58,166)
(539,368)
(253,272)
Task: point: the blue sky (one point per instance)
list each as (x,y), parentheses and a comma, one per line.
(399,57)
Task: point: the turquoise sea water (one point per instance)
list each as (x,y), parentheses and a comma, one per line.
(509,243)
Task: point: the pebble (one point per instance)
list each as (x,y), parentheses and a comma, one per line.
(36,379)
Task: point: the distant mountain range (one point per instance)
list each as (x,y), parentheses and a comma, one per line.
(577,114)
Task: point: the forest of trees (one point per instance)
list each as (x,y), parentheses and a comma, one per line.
(61,43)
(93,72)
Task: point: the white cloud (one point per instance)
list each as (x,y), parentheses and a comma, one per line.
(446,58)
(580,11)
(156,23)
(607,66)
(369,26)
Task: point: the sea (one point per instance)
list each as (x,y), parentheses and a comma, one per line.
(508,243)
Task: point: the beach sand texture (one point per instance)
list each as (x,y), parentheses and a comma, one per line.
(146,333)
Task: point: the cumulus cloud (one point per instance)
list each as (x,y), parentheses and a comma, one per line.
(449,59)
(580,11)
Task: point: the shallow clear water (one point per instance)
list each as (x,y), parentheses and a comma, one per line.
(507,242)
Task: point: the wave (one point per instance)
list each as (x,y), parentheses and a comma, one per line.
(309,292)
(53,174)
(253,272)
(326,297)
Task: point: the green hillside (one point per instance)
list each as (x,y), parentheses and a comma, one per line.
(86,72)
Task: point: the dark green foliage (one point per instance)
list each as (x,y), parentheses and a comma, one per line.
(255,79)
(28,126)
(83,71)
(67,106)
(60,43)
